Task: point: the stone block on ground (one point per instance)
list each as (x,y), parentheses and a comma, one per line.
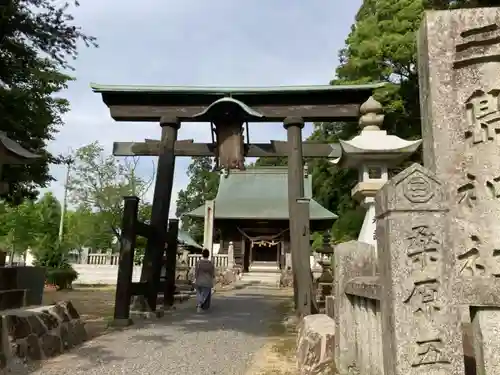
(286,278)
(183,272)
(37,333)
(226,277)
(315,345)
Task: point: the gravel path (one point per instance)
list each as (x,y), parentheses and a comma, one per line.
(221,341)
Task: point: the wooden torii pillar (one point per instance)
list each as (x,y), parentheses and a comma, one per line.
(298,211)
(155,246)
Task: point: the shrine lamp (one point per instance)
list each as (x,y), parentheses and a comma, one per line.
(372,153)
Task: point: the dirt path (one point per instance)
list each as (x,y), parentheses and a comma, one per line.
(222,341)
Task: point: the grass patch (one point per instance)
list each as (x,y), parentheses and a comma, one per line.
(284,331)
(277,357)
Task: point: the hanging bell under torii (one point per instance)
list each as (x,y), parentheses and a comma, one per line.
(227,116)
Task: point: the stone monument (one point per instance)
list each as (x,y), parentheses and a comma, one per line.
(422,332)
(459,72)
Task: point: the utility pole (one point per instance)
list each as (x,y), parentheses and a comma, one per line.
(68,161)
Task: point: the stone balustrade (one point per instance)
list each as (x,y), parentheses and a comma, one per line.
(357,313)
(219,260)
(98,259)
(363,293)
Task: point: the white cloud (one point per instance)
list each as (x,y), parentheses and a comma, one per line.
(196,42)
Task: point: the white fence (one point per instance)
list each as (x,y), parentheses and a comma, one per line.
(103,268)
(89,274)
(219,260)
(110,259)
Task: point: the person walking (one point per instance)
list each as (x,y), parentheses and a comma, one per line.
(204,276)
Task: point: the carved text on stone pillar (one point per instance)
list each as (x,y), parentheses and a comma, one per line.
(478,260)
(429,352)
(483,116)
(493,186)
(424,298)
(475,189)
(424,254)
(478,45)
(467,193)
(422,250)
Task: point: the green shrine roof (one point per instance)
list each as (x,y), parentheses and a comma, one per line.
(259,194)
(185,239)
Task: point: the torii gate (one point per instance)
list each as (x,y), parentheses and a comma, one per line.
(227,110)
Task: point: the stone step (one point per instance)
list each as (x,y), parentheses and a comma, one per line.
(264,267)
(261,278)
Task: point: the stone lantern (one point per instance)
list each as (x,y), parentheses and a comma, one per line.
(372,153)
(325,281)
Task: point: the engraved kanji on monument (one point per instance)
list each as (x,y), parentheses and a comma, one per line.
(459,72)
(422,334)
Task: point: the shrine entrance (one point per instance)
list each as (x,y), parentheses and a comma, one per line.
(228,111)
(265,252)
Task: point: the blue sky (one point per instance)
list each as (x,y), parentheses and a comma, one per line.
(196,42)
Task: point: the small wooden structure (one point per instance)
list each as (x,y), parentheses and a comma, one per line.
(12,152)
(19,286)
(228,110)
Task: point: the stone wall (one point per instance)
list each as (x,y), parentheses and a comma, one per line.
(358,339)
(38,333)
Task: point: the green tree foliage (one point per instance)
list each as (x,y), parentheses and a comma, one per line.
(32,225)
(203,185)
(37,38)
(99,182)
(48,219)
(18,227)
(83,229)
(275,161)
(380,47)
(45,228)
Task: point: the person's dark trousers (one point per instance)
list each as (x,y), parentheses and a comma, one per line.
(206,305)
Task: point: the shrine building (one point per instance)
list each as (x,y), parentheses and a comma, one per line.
(251,211)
